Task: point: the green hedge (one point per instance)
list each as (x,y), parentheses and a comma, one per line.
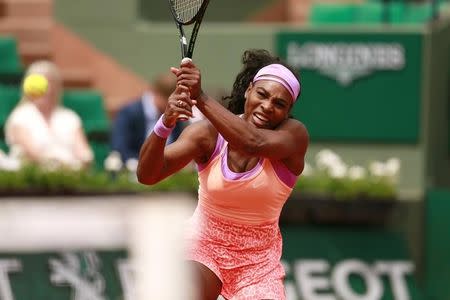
(32,180)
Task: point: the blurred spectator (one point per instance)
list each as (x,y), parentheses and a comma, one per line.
(41,130)
(134,122)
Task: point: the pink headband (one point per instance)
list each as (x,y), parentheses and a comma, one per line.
(280,74)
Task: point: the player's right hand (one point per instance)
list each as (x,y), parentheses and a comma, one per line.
(179,103)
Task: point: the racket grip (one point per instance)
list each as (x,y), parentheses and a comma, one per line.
(183,117)
(186,59)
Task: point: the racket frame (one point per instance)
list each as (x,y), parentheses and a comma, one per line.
(187,50)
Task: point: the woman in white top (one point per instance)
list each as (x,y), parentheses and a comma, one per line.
(40,130)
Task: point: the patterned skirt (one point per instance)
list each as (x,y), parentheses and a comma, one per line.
(246,258)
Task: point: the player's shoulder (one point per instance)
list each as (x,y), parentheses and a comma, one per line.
(298,129)
(296,125)
(200,132)
(201,127)
(204,135)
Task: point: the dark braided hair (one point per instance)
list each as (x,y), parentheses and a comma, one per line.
(252,60)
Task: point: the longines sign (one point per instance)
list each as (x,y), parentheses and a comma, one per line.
(346,62)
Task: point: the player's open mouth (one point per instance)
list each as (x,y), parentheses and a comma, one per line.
(260,120)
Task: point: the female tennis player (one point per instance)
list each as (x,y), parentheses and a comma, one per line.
(249,158)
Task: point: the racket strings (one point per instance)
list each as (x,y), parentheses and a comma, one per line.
(186,10)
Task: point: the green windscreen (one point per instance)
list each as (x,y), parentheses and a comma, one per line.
(357,87)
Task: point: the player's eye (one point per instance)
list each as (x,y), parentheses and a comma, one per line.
(280,104)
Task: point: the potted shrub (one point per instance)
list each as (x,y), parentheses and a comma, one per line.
(331,191)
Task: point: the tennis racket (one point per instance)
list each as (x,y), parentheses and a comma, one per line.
(187,12)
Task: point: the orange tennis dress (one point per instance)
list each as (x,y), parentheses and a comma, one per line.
(234,230)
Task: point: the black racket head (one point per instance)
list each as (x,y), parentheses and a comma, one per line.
(186,12)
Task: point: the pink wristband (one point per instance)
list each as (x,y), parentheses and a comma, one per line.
(162,130)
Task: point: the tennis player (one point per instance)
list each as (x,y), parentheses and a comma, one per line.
(249,158)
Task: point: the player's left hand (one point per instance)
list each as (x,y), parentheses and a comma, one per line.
(179,103)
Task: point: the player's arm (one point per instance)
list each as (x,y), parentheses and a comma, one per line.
(287,143)
(289,139)
(156,160)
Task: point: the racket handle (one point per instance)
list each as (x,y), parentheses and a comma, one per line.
(186,59)
(182,117)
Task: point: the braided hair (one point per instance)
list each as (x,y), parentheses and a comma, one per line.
(253,60)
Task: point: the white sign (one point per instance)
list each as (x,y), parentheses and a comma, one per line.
(7,266)
(81,272)
(316,279)
(346,62)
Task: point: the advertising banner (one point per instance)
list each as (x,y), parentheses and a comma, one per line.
(320,263)
(77,275)
(347,263)
(357,87)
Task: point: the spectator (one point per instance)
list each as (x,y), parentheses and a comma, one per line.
(135,121)
(40,130)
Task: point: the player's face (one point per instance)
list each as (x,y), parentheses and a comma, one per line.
(268,104)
